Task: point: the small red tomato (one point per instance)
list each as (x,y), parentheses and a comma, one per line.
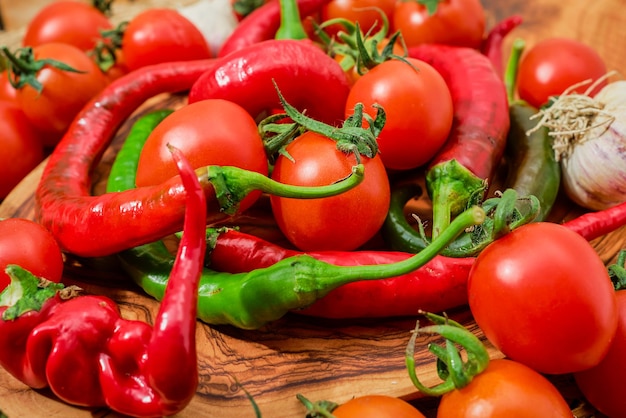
(555,64)
(376,406)
(30,246)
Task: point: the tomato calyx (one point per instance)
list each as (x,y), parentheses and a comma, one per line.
(105,50)
(319,409)
(451,368)
(431,5)
(22,67)
(351,137)
(617,271)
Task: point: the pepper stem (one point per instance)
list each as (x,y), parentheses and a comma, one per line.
(290,23)
(512,66)
(456,374)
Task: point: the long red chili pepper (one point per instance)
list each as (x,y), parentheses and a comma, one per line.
(474,148)
(90,356)
(492,45)
(439,285)
(262,24)
(307,77)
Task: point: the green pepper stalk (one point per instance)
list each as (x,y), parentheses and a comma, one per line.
(290,23)
(251,300)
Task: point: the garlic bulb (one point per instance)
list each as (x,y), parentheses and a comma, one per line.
(590,143)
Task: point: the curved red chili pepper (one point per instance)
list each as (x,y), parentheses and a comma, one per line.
(262,24)
(88,355)
(307,77)
(492,45)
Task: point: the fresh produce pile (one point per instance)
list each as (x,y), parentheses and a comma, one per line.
(335,118)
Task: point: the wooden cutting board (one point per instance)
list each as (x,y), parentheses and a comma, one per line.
(321,359)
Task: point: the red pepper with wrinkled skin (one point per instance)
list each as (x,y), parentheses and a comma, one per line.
(90,356)
(307,77)
(262,24)
(439,285)
(470,156)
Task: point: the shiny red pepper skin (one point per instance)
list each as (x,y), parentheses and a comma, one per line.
(90,356)
(307,77)
(262,24)
(439,285)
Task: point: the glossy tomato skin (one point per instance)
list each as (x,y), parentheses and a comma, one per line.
(455,22)
(64,93)
(552,65)
(358,10)
(505,389)
(543,297)
(162,35)
(376,406)
(32,247)
(342,222)
(22,149)
(604,385)
(418,106)
(67,21)
(8,93)
(208,132)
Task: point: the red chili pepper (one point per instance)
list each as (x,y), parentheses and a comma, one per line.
(468,160)
(90,356)
(262,24)
(439,285)
(302,71)
(492,45)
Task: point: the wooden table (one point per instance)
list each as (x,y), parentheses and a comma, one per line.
(321,359)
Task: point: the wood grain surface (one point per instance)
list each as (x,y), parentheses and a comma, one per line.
(322,359)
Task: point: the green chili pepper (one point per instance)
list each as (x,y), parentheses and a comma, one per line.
(250,300)
(532,166)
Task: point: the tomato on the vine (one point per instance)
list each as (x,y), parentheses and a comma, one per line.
(162,35)
(553,65)
(542,296)
(22,149)
(208,132)
(342,222)
(418,106)
(30,246)
(604,385)
(376,406)
(366,12)
(454,22)
(505,389)
(67,21)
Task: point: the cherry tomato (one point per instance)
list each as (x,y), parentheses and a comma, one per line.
(505,389)
(64,93)
(22,149)
(604,385)
(543,296)
(361,11)
(67,21)
(208,132)
(162,35)
(32,247)
(553,65)
(455,22)
(418,106)
(376,406)
(342,222)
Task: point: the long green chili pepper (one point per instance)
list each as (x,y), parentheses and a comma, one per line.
(250,300)
(532,167)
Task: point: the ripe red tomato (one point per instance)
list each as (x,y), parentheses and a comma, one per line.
(553,65)
(162,35)
(376,406)
(604,385)
(22,149)
(543,297)
(208,132)
(67,21)
(64,93)
(7,91)
(505,389)
(455,22)
(418,106)
(32,247)
(361,11)
(342,222)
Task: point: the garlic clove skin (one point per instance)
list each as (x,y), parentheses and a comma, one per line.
(594,172)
